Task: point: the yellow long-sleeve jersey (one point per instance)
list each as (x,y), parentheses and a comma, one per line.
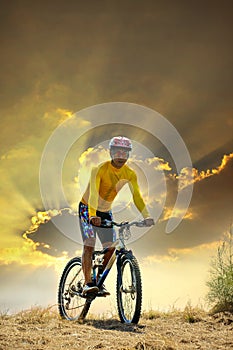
(105,182)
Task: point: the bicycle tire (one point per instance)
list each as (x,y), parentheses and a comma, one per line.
(71,305)
(129,290)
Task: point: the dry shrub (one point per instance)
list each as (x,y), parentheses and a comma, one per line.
(220,283)
(193,314)
(37,315)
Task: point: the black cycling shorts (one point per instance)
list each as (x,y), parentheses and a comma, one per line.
(90,231)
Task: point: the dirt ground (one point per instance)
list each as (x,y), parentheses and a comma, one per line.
(41,329)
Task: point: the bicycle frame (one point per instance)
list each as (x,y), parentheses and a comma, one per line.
(119,250)
(115,255)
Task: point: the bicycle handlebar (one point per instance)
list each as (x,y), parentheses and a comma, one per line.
(109,223)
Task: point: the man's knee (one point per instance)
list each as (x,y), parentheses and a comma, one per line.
(107,245)
(89,244)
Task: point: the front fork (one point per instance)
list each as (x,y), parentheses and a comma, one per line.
(120,255)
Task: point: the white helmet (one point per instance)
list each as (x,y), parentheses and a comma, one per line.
(121,141)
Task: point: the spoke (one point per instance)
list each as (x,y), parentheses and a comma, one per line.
(128,292)
(76,307)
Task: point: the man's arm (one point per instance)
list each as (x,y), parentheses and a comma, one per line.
(139,202)
(137,197)
(94,195)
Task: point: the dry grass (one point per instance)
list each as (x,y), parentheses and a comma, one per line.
(192,328)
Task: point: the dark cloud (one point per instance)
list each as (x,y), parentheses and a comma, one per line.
(175,58)
(212,208)
(142,47)
(214,158)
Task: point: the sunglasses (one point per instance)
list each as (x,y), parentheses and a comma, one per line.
(119,153)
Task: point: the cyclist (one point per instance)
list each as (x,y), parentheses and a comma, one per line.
(105,182)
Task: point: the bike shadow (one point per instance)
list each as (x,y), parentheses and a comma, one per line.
(116,325)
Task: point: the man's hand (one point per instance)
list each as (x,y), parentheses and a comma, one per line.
(149,221)
(95,220)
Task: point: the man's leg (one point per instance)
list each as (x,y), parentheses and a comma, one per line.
(88,249)
(108,254)
(88,236)
(106,236)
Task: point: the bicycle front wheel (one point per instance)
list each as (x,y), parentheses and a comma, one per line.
(129,290)
(72,306)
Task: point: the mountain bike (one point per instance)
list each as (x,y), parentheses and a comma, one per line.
(74,306)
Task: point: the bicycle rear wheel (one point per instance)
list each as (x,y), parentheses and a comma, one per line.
(129,290)
(72,306)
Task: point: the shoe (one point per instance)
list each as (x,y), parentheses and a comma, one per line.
(103,291)
(89,288)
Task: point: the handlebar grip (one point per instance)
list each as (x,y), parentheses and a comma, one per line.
(141,223)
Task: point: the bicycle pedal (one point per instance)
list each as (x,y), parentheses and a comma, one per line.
(102,295)
(91,296)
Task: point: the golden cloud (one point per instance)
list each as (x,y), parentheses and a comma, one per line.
(27,252)
(60,115)
(189,176)
(178,213)
(159,164)
(199,176)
